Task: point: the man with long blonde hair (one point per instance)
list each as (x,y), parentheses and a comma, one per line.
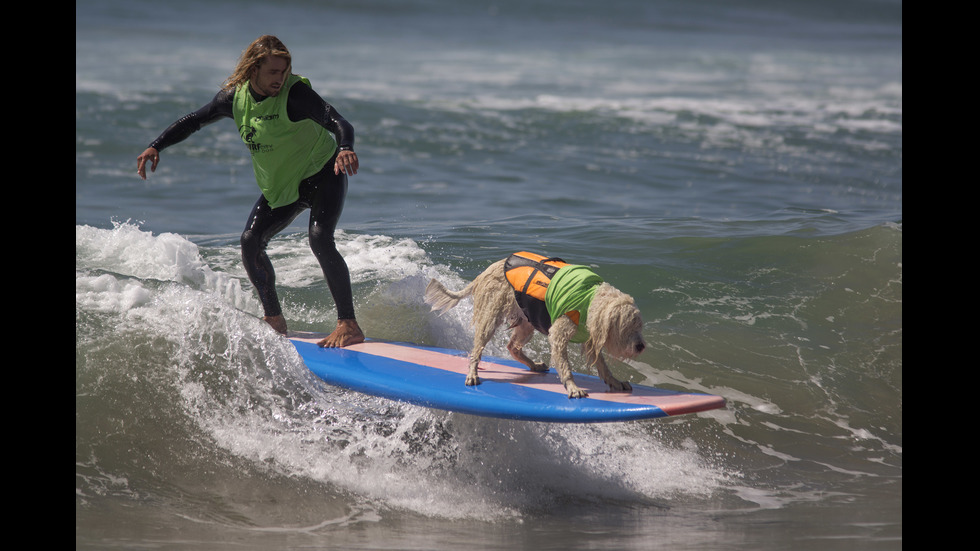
(302,153)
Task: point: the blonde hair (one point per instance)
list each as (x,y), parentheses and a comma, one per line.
(258,51)
(614,324)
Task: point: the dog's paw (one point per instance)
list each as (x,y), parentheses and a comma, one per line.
(539,367)
(620,386)
(472,380)
(574,391)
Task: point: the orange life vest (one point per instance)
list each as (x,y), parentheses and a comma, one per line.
(529,274)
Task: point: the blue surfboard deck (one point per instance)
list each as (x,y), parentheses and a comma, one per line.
(435,378)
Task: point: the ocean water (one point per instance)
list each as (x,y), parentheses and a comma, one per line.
(735,166)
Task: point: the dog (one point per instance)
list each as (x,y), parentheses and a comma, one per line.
(531,292)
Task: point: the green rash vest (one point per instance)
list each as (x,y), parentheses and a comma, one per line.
(572,289)
(283,152)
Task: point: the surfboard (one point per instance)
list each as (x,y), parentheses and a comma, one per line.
(435,377)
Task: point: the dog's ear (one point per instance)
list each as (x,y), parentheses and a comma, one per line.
(594,344)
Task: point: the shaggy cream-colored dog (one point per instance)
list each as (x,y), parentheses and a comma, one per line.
(613,323)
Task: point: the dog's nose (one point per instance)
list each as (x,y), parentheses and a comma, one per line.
(640,347)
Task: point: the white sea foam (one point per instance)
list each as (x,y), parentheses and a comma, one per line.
(129,251)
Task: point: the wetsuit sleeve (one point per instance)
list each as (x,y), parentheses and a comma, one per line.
(305,103)
(219,108)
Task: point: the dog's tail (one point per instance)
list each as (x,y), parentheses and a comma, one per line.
(442,299)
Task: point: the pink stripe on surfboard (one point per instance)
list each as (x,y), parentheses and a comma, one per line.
(672,403)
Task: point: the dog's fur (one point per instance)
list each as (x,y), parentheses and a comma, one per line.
(613,323)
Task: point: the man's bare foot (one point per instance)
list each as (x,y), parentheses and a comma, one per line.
(277,322)
(346,334)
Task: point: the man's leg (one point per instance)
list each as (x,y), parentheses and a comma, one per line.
(263,224)
(327,203)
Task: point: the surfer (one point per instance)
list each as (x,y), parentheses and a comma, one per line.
(302,153)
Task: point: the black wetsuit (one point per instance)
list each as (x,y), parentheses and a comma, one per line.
(322,193)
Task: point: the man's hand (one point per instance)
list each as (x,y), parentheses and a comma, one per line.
(346,162)
(152,155)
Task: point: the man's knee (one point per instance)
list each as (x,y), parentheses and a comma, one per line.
(253,243)
(322,240)
(248,239)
